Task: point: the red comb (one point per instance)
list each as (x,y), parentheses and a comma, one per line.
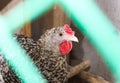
(68,30)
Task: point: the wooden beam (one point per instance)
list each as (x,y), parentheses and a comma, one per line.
(60,18)
(91,78)
(78,68)
(27,29)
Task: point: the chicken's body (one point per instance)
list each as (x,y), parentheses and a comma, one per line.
(45,55)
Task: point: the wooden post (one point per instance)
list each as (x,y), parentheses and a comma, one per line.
(60,18)
(27,29)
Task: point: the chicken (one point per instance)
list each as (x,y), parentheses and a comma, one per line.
(48,53)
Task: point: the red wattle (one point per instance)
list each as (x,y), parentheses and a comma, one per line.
(65,47)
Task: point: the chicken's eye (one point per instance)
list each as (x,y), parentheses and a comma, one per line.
(60,34)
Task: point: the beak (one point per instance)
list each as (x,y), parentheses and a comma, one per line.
(73,38)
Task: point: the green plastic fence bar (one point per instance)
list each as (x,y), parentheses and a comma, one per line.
(18,60)
(16,57)
(98,29)
(26,11)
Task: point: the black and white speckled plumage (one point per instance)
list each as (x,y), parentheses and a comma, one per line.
(46,57)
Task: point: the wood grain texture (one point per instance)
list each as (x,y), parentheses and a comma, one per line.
(91,78)
(78,68)
(27,29)
(60,18)
(41,24)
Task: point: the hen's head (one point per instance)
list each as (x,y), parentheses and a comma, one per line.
(63,37)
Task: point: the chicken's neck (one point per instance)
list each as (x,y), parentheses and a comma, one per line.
(46,45)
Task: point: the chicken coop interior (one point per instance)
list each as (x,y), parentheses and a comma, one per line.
(89,66)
